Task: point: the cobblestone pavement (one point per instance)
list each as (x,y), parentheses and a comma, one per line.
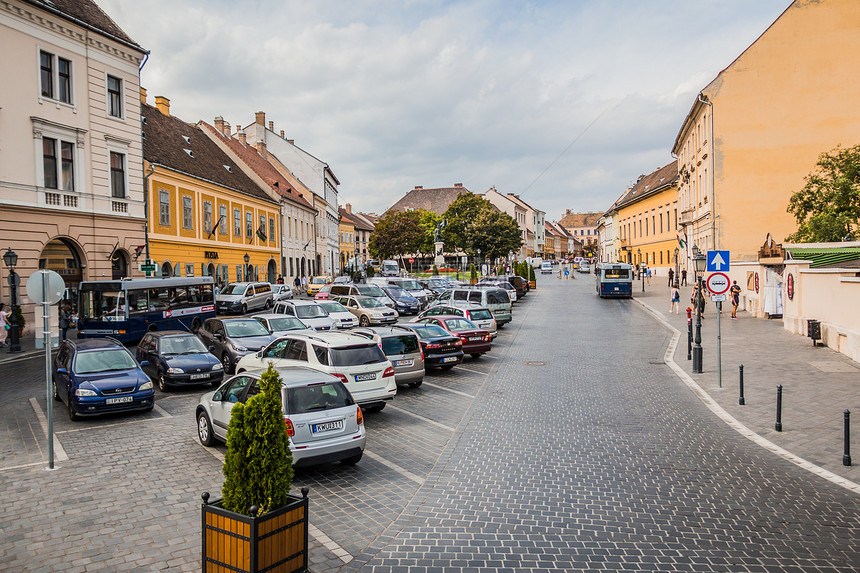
(571,446)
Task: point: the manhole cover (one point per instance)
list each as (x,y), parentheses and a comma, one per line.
(534,363)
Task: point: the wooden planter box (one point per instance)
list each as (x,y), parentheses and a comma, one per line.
(275,542)
(473,281)
(532,284)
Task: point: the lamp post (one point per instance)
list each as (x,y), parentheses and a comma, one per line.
(11,259)
(700,261)
(677,279)
(247,259)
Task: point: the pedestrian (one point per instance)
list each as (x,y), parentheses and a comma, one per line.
(4,325)
(675,304)
(280,280)
(736,298)
(683,277)
(648,275)
(297,282)
(671,276)
(304,283)
(64,320)
(698,300)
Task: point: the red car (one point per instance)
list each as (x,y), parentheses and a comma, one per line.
(476,341)
(323,293)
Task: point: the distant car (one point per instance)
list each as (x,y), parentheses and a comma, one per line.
(281,324)
(99,376)
(402,347)
(316,283)
(242,297)
(324,293)
(323,421)
(476,341)
(404,303)
(362,289)
(441,348)
(480,315)
(436,284)
(342,280)
(177,358)
(500,283)
(233,338)
(546,268)
(281,292)
(368,310)
(357,361)
(339,313)
(308,311)
(584,267)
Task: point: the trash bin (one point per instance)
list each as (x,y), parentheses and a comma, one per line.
(813,331)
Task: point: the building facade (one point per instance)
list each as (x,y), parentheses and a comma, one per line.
(348,241)
(364,225)
(71,182)
(516,210)
(583,227)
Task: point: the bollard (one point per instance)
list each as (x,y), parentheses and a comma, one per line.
(846,457)
(778,426)
(741,401)
(689,333)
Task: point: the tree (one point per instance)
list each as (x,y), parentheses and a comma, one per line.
(397,233)
(429,220)
(496,234)
(827,209)
(461,216)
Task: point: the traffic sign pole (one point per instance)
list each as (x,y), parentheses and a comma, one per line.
(719,285)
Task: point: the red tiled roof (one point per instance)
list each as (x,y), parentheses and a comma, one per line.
(648,184)
(436,200)
(88,13)
(572,220)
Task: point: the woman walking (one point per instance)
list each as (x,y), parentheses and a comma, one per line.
(4,325)
(675,304)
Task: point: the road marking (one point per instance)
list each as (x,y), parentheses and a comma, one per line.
(730,420)
(448,390)
(161,410)
(461,368)
(218,455)
(402,471)
(24,466)
(59,452)
(328,543)
(420,417)
(162,414)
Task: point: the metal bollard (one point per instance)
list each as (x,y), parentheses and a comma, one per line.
(778,426)
(689,333)
(846,457)
(741,400)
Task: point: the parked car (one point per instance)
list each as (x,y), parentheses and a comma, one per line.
(342,280)
(496,299)
(99,376)
(436,284)
(584,267)
(546,268)
(519,283)
(242,297)
(316,283)
(502,284)
(323,421)
(476,341)
(404,303)
(362,289)
(281,292)
(281,324)
(339,313)
(390,268)
(325,292)
(410,285)
(480,315)
(402,347)
(175,357)
(233,338)
(357,361)
(368,310)
(441,348)
(308,311)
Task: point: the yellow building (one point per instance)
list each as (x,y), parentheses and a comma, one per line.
(346,231)
(757,129)
(205,215)
(647,220)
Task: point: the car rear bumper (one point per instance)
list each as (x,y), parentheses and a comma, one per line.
(407,376)
(328,451)
(182,379)
(438,360)
(477,348)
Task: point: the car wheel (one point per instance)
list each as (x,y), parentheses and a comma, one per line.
(475,355)
(416,384)
(204,430)
(244,309)
(161,382)
(352,461)
(73,416)
(447,366)
(56,392)
(227,362)
(374,407)
(364,321)
(268,304)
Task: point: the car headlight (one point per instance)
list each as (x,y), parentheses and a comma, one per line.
(85,392)
(146,385)
(217,366)
(175,371)
(240,348)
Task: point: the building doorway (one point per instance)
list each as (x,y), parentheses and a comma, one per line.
(65,258)
(119,265)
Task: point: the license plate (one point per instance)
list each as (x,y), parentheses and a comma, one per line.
(119,400)
(450,359)
(476,338)
(404,362)
(616,288)
(327,426)
(363,377)
(199,376)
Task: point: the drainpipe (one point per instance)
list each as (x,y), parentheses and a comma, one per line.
(146,208)
(283,260)
(713,163)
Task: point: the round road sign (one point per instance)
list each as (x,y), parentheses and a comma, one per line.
(718,283)
(45,287)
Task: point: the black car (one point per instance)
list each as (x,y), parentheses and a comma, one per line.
(404,303)
(441,348)
(233,338)
(174,357)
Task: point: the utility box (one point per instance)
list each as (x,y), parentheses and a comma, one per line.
(813,331)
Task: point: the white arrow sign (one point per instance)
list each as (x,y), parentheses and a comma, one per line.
(718,262)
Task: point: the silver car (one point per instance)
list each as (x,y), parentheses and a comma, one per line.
(281,324)
(342,317)
(401,346)
(309,312)
(242,297)
(323,421)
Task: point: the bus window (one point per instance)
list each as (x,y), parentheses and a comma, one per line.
(138,302)
(159,299)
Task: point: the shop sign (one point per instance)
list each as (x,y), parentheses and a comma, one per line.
(210,254)
(789,285)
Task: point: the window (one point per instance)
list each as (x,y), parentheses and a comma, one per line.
(249,224)
(64,86)
(163,208)
(222,216)
(187,217)
(207,217)
(67,167)
(46,64)
(114,88)
(262,228)
(237,223)
(49,161)
(117,175)
(189,269)
(271,228)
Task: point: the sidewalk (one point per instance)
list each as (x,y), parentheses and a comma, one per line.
(28,349)
(818,383)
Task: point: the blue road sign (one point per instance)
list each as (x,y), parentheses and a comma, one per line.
(718,261)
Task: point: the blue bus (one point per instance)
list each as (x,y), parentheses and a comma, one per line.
(614,280)
(129,308)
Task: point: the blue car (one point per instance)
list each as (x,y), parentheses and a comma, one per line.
(404,303)
(100,376)
(176,358)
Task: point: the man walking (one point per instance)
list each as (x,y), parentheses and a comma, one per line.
(736,298)
(683,277)
(671,276)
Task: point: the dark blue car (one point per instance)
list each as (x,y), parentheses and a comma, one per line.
(100,376)
(174,357)
(404,303)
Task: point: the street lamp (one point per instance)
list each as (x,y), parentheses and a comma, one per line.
(247,259)
(639,262)
(700,261)
(11,259)
(678,280)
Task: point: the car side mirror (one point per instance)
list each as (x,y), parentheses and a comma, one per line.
(217,397)
(259,354)
(218,336)
(62,371)
(144,363)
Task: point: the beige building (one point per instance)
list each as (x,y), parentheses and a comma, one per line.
(757,129)
(516,210)
(583,227)
(71,181)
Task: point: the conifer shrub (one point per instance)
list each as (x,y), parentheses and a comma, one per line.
(435,270)
(501,270)
(258,465)
(531,273)
(473,274)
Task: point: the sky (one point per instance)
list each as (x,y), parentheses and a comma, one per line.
(564,103)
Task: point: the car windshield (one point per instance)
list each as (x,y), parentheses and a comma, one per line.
(356,355)
(310,311)
(318,397)
(404,344)
(245,328)
(482,314)
(369,303)
(396,292)
(187,344)
(234,289)
(370,290)
(410,285)
(460,324)
(318,281)
(103,360)
(286,323)
(333,306)
(432,331)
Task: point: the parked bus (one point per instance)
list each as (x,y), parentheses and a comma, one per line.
(614,280)
(127,309)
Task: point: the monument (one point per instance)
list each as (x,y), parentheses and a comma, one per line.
(439,261)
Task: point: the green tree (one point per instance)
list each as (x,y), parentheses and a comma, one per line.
(258,465)
(827,209)
(429,220)
(495,233)
(461,216)
(397,233)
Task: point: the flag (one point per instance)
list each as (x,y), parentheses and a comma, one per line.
(212,232)
(682,242)
(137,250)
(261,232)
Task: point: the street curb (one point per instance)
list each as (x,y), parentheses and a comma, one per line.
(21,356)
(730,420)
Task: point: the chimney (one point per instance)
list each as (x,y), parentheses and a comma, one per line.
(458,184)
(226,130)
(142,95)
(418,187)
(261,148)
(260,118)
(163,105)
(241,135)
(219,124)
(291,141)
(271,126)
(282,134)
(348,208)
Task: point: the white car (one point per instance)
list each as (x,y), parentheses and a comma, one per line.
(281,324)
(309,312)
(357,361)
(281,292)
(342,317)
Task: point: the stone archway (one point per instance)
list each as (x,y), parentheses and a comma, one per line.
(166,269)
(249,273)
(65,257)
(209,270)
(120,264)
(272,271)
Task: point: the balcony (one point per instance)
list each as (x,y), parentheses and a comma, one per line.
(686,217)
(61,199)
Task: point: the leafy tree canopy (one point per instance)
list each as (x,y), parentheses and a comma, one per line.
(474,224)
(461,216)
(398,233)
(827,209)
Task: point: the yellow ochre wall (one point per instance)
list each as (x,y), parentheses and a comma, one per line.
(658,248)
